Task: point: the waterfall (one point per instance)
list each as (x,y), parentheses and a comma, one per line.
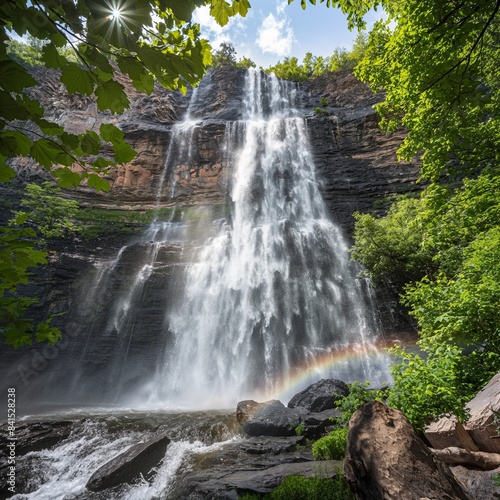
(273,294)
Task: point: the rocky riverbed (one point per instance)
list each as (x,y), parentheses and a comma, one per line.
(115,454)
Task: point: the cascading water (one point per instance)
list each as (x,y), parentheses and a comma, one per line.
(273,293)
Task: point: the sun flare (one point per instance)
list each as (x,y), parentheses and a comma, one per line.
(116,14)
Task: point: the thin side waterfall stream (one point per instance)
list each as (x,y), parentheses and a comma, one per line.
(260,299)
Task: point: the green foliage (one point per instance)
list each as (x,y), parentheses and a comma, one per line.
(332,446)
(302,488)
(299,430)
(321,111)
(456,300)
(426,388)
(313,66)
(224,56)
(18,254)
(359,394)
(437,64)
(289,69)
(391,247)
(246,62)
(49,214)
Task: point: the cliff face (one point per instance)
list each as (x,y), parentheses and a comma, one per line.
(355,161)
(356,165)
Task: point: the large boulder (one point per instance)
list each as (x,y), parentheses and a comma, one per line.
(448,431)
(127,467)
(273,418)
(386,460)
(481,425)
(320,396)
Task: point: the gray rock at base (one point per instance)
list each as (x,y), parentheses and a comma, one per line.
(232,485)
(268,445)
(481,425)
(479,484)
(273,418)
(386,460)
(246,409)
(264,481)
(448,431)
(319,424)
(320,396)
(126,467)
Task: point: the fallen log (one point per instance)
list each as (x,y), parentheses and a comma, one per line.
(459,456)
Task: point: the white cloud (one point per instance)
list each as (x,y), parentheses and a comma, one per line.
(202,16)
(281,7)
(275,36)
(215,33)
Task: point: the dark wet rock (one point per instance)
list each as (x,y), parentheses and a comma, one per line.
(220,95)
(320,396)
(127,467)
(385,459)
(273,418)
(319,424)
(272,445)
(36,436)
(251,466)
(266,480)
(245,410)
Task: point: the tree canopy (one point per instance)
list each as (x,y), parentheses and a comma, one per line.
(341,59)
(437,62)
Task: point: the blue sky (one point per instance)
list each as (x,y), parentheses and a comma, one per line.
(273,30)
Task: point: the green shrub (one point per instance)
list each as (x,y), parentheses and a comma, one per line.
(331,447)
(321,111)
(359,394)
(302,488)
(299,430)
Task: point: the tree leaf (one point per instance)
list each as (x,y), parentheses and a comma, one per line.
(98,183)
(49,128)
(110,95)
(66,178)
(45,152)
(90,143)
(12,109)
(14,78)
(6,172)
(77,79)
(110,132)
(123,152)
(51,57)
(22,142)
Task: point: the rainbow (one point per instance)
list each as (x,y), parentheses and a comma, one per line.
(329,365)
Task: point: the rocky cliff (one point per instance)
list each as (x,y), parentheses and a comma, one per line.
(356,162)
(356,165)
